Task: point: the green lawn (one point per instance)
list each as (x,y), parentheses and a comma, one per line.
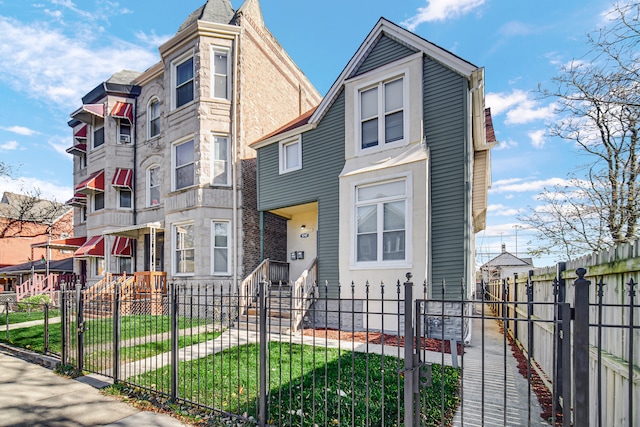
(100,331)
(308,386)
(25,316)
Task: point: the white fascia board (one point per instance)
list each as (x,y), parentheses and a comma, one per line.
(282,136)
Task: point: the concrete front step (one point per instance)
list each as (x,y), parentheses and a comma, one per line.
(274,325)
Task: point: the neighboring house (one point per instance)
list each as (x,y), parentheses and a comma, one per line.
(17,274)
(163,175)
(27,220)
(389,174)
(505,265)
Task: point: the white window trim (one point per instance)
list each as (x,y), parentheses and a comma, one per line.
(151,101)
(227,51)
(128,208)
(379,80)
(94,263)
(173,162)
(228,161)
(408,239)
(213,247)
(174,250)
(126,123)
(148,187)
(174,77)
(282,154)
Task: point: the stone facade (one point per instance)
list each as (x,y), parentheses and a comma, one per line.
(265,89)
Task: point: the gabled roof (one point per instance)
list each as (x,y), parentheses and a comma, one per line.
(218,11)
(506,259)
(12,206)
(393,31)
(310,119)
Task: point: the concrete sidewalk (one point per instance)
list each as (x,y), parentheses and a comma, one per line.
(32,395)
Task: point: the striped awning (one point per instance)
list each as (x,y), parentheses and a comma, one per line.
(87,112)
(123,110)
(77,149)
(92,247)
(122,178)
(78,200)
(121,246)
(81,133)
(93,184)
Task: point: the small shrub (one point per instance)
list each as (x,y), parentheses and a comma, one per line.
(34,303)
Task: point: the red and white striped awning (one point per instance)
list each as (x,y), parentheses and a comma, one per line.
(93,184)
(122,178)
(81,133)
(123,110)
(92,247)
(88,111)
(78,200)
(77,149)
(121,246)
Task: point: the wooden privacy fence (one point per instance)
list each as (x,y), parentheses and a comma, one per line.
(614,330)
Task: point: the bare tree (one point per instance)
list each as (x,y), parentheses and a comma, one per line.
(598,99)
(30,216)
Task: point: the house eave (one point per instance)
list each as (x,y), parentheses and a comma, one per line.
(284,135)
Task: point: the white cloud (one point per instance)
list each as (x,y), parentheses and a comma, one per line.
(515,28)
(51,66)
(440,10)
(152,40)
(502,210)
(520,185)
(537,138)
(20,130)
(25,185)
(11,145)
(519,106)
(506,144)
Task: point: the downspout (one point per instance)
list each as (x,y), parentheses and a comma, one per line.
(234,172)
(468,202)
(133,178)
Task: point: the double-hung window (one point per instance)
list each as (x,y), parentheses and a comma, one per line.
(98,136)
(184,248)
(184,79)
(221,71)
(220,161)
(125,199)
(290,155)
(184,166)
(382,113)
(381,222)
(221,247)
(153,114)
(98,201)
(153,186)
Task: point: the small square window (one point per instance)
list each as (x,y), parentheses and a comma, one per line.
(125,198)
(290,155)
(98,201)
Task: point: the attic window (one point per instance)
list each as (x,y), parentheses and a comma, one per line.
(382,113)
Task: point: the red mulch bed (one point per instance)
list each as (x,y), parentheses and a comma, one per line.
(430,344)
(545,397)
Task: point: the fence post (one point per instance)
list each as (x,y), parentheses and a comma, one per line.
(559,297)
(262,310)
(116,332)
(46,328)
(6,319)
(64,324)
(80,329)
(530,313)
(581,349)
(174,341)
(409,371)
(515,306)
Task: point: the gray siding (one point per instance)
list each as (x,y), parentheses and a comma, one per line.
(384,52)
(322,162)
(445,121)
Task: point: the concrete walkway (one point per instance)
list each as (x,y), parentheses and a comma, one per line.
(494,393)
(32,395)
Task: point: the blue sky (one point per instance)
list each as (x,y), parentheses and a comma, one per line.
(52,52)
